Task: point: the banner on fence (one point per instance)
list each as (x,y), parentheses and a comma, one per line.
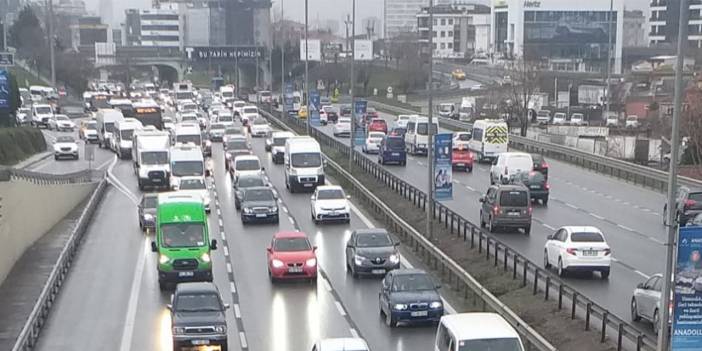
(313,108)
(288,98)
(359,136)
(443,177)
(687,294)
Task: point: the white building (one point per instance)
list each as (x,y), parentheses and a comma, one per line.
(664,19)
(562,35)
(400,16)
(160,27)
(458,31)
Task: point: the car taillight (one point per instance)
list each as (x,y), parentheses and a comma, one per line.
(529,210)
(607,252)
(544,165)
(496,210)
(506,173)
(690,203)
(571,251)
(546,186)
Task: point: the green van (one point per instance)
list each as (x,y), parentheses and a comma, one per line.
(182,240)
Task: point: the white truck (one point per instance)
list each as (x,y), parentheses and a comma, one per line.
(304,168)
(417,135)
(121,142)
(490,138)
(467,109)
(151,155)
(106,119)
(186,161)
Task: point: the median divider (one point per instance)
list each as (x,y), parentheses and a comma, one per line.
(436,258)
(627,336)
(628,171)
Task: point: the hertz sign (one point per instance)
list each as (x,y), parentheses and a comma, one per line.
(532,4)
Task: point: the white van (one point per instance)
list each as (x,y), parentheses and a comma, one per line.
(417,135)
(123,135)
(42,114)
(106,119)
(489,138)
(245,165)
(151,154)
(508,165)
(304,168)
(186,161)
(476,331)
(341,344)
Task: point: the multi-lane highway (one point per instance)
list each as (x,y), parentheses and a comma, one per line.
(629,216)
(48,165)
(111,300)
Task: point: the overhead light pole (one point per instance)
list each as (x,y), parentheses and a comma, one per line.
(282,55)
(307,61)
(430,132)
(663,340)
(353,83)
(50,25)
(609,59)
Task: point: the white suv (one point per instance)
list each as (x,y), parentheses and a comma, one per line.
(578,248)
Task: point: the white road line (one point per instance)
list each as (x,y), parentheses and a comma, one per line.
(326,285)
(130,318)
(614,259)
(237,312)
(242,340)
(221,224)
(292,221)
(285,209)
(229,267)
(226,251)
(656,241)
(469,188)
(222,235)
(641,274)
(354,333)
(548,226)
(340,308)
(571,205)
(625,227)
(232,287)
(596,216)
(219,213)
(457,181)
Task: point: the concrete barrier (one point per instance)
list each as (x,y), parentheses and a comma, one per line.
(28,210)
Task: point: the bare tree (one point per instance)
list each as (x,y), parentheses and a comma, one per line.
(525,77)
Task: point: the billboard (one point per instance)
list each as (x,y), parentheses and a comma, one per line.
(314,47)
(200,53)
(7,59)
(363,50)
(313,108)
(359,133)
(4,89)
(443,175)
(288,98)
(590,94)
(687,294)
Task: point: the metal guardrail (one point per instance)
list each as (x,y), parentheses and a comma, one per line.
(435,257)
(84,176)
(542,280)
(32,327)
(631,172)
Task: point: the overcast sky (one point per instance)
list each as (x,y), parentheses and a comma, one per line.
(318,9)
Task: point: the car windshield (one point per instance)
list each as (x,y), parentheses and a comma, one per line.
(175,235)
(309,159)
(236,145)
(445,108)
(330,194)
(395,143)
(192,138)
(65,139)
(198,302)
(232,131)
(533,177)
(154,157)
(576,116)
(126,134)
(292,244)
(239,104)
(91,126)
(247,165)
(422,128)
(225,118)
(248,182)
(61,118)
(43,110)
(250,110)
(279,141)
(463,137)
(217,126)
(502,344)
(187,168)
(260,121)
(412,282)
(192,184)
(373,240)
(109,126)
(516,198)
(586,237)
(258,195)
(150,201)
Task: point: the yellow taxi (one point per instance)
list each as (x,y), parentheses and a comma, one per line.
(302,113)
(458,74)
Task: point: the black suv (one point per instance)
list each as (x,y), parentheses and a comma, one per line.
(537,184)
(198,316)
(147,212)
(244,182)
(372,251)
(689,204)
(259,204)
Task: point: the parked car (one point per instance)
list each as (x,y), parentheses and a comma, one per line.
(577,119)
(578,248)
(559,118)
(543,117)
(632,121)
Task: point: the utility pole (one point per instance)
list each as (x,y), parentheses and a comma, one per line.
(347,22)
(307,61)
(282,56)
(51,42)
(255,39)
(353,79)
(430,133)
(663,341)
(609,60)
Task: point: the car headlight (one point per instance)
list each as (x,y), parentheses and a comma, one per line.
(208,143)
(163,259)
(247,210)
(205,257)
(311,262)
(228,156)
(149,217)
(273,209)
(178,330)
(220,329)
(277,263)
(394,258)
(206,199)
(435,305)
(358,259)
(399,307)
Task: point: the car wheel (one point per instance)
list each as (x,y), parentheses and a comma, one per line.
(176,346)
(656,322)
(482,222)
(492,181)
(634,311)
(561,270)
(547,265)
(544,201)
(56,158)
(224,346)
(162,286)
(605,274)
(491,226)
(665,216)
(527,230)
(469,169)
(404,163)
(390,321)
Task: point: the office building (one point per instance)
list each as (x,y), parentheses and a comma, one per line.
(87,31)
(559,35)
(204,24)
(458,31)
(664,19)
(635,29)
(155,28)
(400,16)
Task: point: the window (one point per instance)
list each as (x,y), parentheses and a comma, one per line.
(443,21)
(435,21)
(450,21)
(450,45)
(450,34)
(444,339)
(443,45)
(434,34)
(434,46)
(443,34)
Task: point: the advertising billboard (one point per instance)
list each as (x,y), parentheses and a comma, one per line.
(443,175)
(4,89)
(359,133)
(590,94)
(363,50)
(200,53)
(314,47)
(687,294)
(288,98)
(313,108)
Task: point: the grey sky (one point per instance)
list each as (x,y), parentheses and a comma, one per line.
(319,10)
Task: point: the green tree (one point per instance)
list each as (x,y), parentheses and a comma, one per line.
(27,36)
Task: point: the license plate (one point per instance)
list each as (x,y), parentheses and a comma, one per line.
(535,187)
(378,271)
(396,154)
(185,274)
(308,185)
(295,269)
(260,215)
(419,314)
(589,253)
(460,164)
(156,180)
(513,214)
(200,342)
(332,213)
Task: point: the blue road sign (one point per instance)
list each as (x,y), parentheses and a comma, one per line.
(443,177)
(313,108)
(359,137)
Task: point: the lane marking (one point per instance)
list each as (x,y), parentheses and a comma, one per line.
(353,332)
(221,224)
(232,287)
(219,213)
(242,340)
(292,221)
(625,227)
(226,250)
(596,216)
(641,274)
(571,205)
(237,312)
(229,267)
(285,209)
(340,308)
(469,188)
(548,226)
(222,235)
(130,318)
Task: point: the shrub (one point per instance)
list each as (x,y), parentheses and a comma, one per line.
(17,144)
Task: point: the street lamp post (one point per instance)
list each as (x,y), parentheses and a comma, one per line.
(609,58)
(430,133)
(353,80)
(282,56)
(307,60)
(51,42)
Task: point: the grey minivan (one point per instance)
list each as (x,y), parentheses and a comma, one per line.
(506,206)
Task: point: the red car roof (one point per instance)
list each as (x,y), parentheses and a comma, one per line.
(280,235)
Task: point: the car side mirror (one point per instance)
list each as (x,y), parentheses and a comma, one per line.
(213,244)
(263,168)
(227,306)
(269,249)
(154,248)
(549,237)
(640,286)
(169,306)
(312,197)
(314,248)
(437,286)
(482,199)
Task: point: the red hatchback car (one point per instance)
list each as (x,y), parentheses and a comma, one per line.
(462,158)
(378,125)
(291,256)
